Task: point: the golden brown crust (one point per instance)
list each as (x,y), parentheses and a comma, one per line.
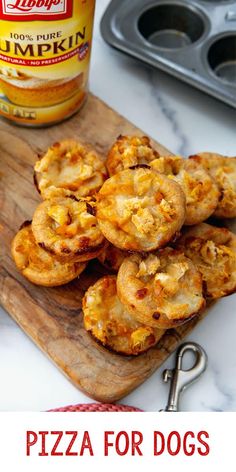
(201,192)
(69,168)
(213,251)
(67,228)
(110,324)
(223,171)
(37,265)
(140,210)
(162,290)
(129,151)
(112,257)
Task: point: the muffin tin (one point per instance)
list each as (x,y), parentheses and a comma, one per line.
(193,40)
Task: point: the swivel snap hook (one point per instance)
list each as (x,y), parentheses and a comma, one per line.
(180,378)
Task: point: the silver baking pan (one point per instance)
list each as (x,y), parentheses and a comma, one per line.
(193,40)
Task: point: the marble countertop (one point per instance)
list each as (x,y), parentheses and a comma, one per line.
(185,121)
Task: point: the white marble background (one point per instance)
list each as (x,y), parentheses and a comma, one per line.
(185,121)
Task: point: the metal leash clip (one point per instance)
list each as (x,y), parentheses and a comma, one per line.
(180,378)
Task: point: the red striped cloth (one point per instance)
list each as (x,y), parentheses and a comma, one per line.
(86,407)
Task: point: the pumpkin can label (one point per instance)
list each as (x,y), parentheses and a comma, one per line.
(45,48)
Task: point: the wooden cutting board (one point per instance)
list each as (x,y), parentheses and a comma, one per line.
(52,316)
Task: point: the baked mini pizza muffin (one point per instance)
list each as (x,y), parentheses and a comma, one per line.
(213,251)
(109,322)
(201,192)
(71,167)
(162,290)
(37,265)
(68,228)
(112,257)
(129,151)
(140,210)
(223,171)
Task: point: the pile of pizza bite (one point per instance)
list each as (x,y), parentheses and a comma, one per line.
(142,215)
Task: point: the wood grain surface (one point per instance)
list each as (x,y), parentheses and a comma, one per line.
(52,316)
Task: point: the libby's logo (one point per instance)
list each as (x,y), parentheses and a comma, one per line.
(35,9)
(36,5)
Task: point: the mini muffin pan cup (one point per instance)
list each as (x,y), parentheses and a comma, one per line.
(193,40)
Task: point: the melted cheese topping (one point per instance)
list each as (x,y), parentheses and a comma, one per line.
(160,290)
(223,171)
(68,228)
(199,188)
(213,251)
(109,322)
(140,210)
(39,266)
(129,151)
(71,167)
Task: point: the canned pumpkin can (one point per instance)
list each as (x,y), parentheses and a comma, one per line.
(45,48)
